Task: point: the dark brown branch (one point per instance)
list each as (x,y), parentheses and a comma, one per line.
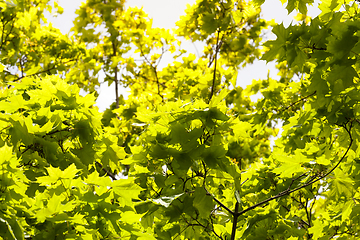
(155,72)
(26,149)
(21,61)
(308,214)
(179,234)
(116,78)
(236,215)
(205,227)
(300,100)
(43,71)
(244,181)
(110,174)
(214,75)
(220,203)
(313,47)
(197,224)
(57,131)
(311,208)
(157,83)
(313,180)
(301,220)
(295,179)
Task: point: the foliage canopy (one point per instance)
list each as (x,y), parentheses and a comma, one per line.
(187,155)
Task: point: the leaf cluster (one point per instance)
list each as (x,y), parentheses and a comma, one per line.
(189,154)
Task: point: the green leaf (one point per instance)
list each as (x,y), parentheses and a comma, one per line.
(143,236)
(276,47)
(14,228)
(171,151)
(241,129)
(299,5)
(56,174)
(130,217)
(203,202)
(317,229)
(347,209)
(212,155)
(215,113)
(126,189)
(256,219)
(215,100)
(210,23)
(290,166)
(342,185)
(33,70)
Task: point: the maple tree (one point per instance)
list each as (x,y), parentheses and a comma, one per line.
(187,155)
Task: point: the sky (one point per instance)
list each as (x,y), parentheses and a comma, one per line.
(165,13)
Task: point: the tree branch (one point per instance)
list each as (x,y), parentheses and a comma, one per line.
(110,174)
(43,71)
(294,103)
(314,180)
(116,78)
(233,230)
(155,71)
(214,75)
(220,203)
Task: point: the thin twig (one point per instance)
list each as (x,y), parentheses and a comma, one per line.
(218,201)
(155,72)
(316,179)
(43,71)
(116,78)
(294,103)
(214,75)
(110,174)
